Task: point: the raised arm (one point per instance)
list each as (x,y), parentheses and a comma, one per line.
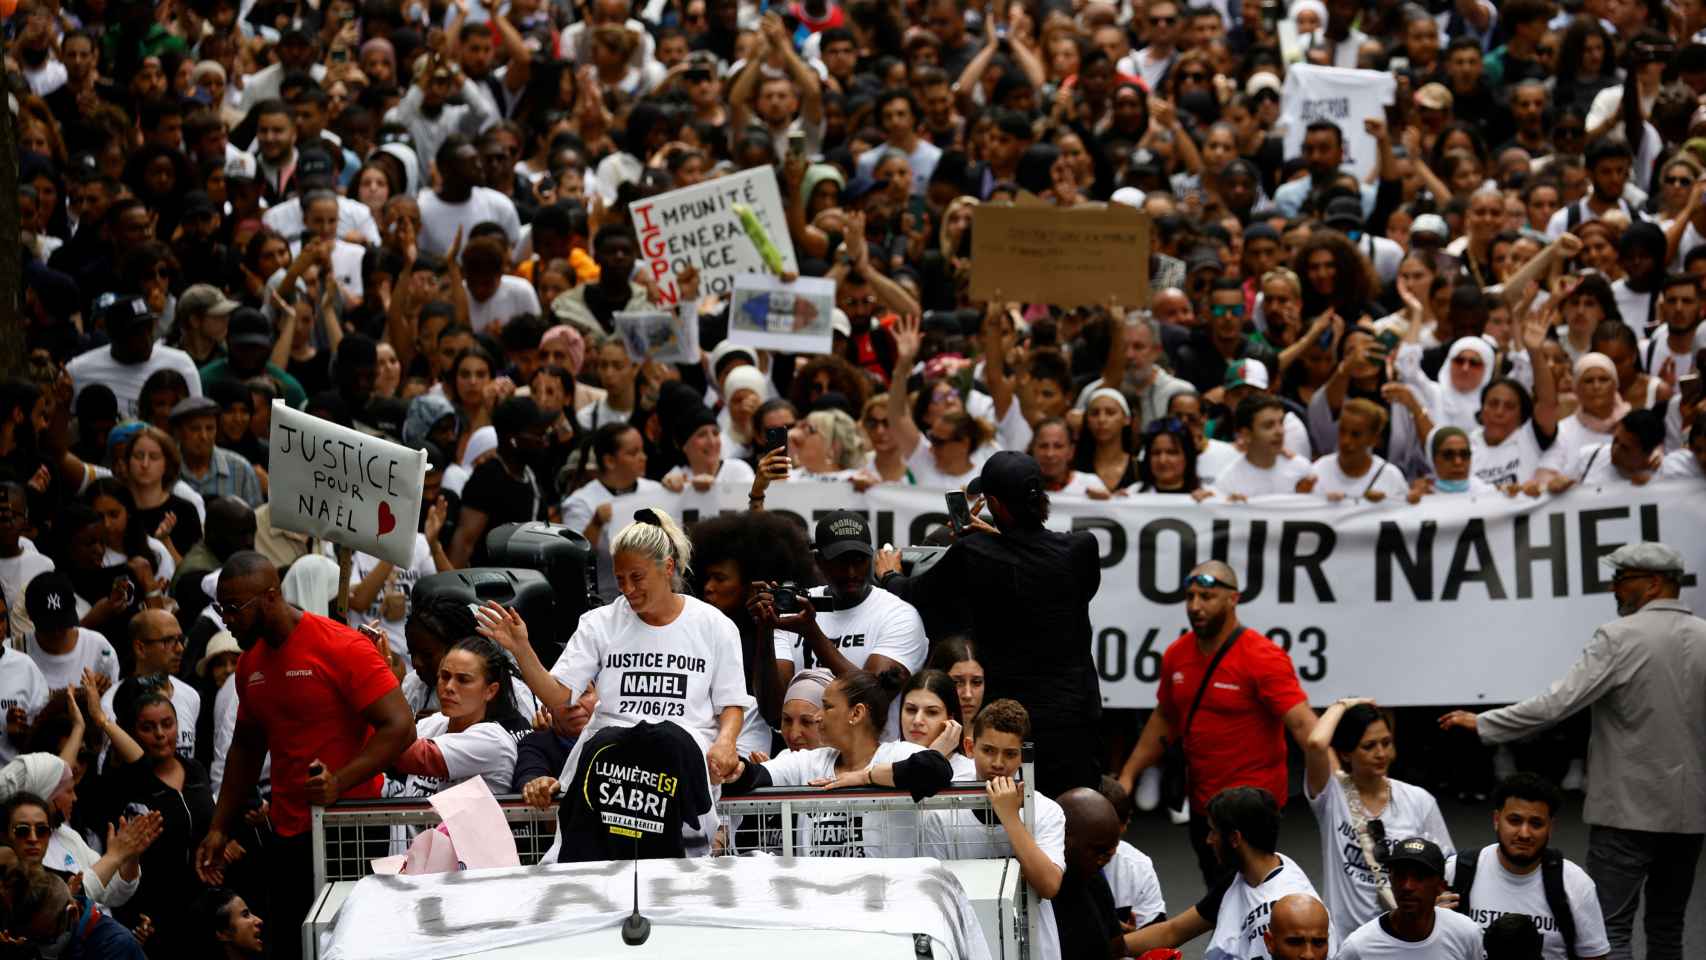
(907,340)
(1564,248)
(745,87)
(1320,763)
(995,358)
(505,627)
(806,83)
(1534,329)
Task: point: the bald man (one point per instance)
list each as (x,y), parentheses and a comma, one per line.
(1238,737)
(1298,929)
(157,653)
(1084,912)
(319,697)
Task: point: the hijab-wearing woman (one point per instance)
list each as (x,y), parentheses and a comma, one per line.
(855,710)
(802,709)
(651,618)
(1452,457)
(930,717)
(1347,759)
(39,830)
(1601,406)
(1453,398)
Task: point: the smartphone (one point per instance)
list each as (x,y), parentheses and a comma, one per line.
(339,55)
(775,438)
(372,633)
(1325,340)
(959,510)
(1388,340)
(797,144)
(1690,386)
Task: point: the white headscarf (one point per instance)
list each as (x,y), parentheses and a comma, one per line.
(1458,408)
(42,774)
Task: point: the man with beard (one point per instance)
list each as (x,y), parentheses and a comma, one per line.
(1647,750)
(1417,926)
(1249,698)
(320,699)
(1521,876)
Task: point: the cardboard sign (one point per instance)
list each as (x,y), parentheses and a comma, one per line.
(791,317)
(697,226)
(657,335)
(1073,256)
(345,486)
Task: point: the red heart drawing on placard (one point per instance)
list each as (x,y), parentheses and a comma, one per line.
(387,520)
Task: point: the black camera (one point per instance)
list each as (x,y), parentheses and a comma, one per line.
(786,597)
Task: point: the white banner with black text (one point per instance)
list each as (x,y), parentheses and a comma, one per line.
(1458,599)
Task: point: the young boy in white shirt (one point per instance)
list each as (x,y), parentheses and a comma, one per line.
(1265,469)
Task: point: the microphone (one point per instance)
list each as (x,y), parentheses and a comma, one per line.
(636,929)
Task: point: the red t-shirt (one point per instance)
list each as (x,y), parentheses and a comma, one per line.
(308,695)
(1238,736)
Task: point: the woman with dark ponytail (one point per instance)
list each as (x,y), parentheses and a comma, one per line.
(473,734)
(855,709)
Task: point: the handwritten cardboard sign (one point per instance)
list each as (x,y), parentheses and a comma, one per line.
(1071,256)
(345,486)
(791,317)
(697,226)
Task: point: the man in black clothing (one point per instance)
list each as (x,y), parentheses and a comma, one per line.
(504,489)
(1221,339)
(1084,913)
(1031,620)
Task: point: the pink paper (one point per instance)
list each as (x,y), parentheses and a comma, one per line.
(389,866)
(477,825)
(431,852)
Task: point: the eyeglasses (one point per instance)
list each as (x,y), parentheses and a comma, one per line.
(1467,360)
(1451,455)
(175,640)
(1226,310)
(228,610)
(876,423)
(23,831)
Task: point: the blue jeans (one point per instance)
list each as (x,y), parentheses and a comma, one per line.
(1622,863)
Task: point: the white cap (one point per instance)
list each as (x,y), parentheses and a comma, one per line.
(1130,196)
(1648,557)
(1259,81)
(1431,223)
(839,323)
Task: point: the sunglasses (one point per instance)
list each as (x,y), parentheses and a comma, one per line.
(1164,425)
(1464,360)
(1163,21)
(1679,181)
(228,610)
(936,441)
(23,831)
(1226,310)
(1208,582)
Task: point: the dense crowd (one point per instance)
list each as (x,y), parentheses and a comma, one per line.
(411,217)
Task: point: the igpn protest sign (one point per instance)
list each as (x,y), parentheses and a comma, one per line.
(342,485)
(697,226)
(1064,256)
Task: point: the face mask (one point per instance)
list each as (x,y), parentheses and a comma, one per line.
(1451,486)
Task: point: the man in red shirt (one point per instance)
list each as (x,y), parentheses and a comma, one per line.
(319,697)
(1237,738)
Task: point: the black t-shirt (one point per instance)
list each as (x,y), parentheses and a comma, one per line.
(314,373)
(633,789)
(1085,917)
(502,498)
(187,532)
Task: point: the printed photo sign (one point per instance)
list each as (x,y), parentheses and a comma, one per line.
(772,315)
(657,335)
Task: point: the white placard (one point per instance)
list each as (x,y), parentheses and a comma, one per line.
(697,226)
(1455,600)
(1344,96)
(791,317)
(345,486)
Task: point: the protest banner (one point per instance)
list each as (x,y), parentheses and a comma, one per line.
(657,335)
(1345,97)
(697,226)
(1077,256)
(1456,599)
(791,317)
(342,485)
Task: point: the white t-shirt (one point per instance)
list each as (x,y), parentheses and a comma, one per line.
(925,473)
(1564,453)
(1656,351)
(595,415)
(440,220)
(889,834)
(224,730)
(1346,878)
(185,700)
(61,670)
(1012,432)
(513,297)
(687,671)
(1593,468)
(1381,476)
(1211,463)
(1244,911)
(729,471)
(1079,484)
(126,379)
(962,835)
(16,574)
(485,749)
(1681,465)
(21,685)
(881,624)
(577,511)
(1513,460)
(1454,937)
(286,217)
(1247,479)
(1131,877)
(363,564)
(1497,892)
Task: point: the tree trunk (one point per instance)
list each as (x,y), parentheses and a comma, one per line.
(13,360)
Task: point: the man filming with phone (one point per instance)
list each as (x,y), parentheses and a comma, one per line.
(852,627)
(1026,592)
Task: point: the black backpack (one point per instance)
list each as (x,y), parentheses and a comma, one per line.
(1551,880)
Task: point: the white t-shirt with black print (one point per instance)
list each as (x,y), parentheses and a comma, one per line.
(1345,876)
(1497,892)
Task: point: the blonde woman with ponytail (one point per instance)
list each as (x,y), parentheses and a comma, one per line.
(654,653)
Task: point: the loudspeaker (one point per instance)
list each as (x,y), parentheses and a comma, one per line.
(562,555)
(527,592)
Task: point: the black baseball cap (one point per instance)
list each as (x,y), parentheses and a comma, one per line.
(50,602)
(122,311)
(249,327)
(841,533)
(314,162)
(1421,852)
(516,414)
(1008,476)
